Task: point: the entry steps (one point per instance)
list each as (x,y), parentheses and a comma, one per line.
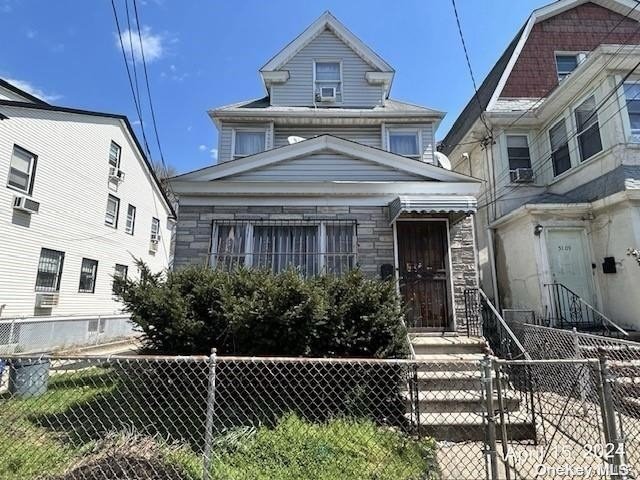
(451,404)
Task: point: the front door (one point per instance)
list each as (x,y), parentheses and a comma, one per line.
(569,262)
(423,273)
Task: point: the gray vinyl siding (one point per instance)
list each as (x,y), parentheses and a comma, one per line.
(225,136)
(366,135)
(426,134)
(326,166)
(299,89)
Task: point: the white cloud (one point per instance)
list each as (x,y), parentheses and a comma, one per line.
(33,90)
(152,44)
(202,148)
(214,153)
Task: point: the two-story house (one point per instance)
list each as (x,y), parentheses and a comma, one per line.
(553,132)
(78,202)
(326,173)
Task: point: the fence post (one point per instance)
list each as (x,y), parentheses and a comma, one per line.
(487,380)
(504,438)
(615,445)
(208,434)
(582,371)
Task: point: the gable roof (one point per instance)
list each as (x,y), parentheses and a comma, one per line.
(319,144)
(22,93)
(492,86)
(122,118)
(326,21)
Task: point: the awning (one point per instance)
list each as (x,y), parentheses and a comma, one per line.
(460,204)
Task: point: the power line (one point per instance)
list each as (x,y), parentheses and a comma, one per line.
(126,64)
(466,55)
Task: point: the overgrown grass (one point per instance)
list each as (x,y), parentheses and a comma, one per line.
(338,449)
(39,438)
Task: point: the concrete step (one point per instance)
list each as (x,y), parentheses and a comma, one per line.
(447,402)
(471,427)
(452,380)
(439,345)
(449,362)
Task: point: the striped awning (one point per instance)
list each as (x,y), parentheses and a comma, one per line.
(460,204)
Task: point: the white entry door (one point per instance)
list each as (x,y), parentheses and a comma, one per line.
(569,261)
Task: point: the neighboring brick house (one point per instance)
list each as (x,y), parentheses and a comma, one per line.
(558,143)
(327,173)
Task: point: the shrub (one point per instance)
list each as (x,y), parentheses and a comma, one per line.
(254,312)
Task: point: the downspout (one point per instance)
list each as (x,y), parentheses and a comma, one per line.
(492,263)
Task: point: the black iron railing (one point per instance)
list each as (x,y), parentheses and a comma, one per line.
(484,319)
(568,310)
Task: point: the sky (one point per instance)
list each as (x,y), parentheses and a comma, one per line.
(203,54)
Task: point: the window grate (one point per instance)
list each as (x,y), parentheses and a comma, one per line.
(313,246)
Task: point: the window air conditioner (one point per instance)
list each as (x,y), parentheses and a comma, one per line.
(522,175)
(25,204)
(327,94)
(116,174)
(46,300)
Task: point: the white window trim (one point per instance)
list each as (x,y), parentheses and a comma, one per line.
(131,230)
(248,130)
(119,154)
(32,169)
(580,57)
(340,90)
(506,150)
(574,138)
(248,244)
(416,131)
(567,127)
(631,135)
(116,217)
(154,236)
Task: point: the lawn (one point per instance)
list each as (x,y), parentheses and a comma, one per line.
(90,420)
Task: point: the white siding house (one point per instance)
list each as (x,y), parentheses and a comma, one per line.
(60,259)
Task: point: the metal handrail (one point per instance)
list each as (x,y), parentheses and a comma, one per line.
(590,307)
(504,325)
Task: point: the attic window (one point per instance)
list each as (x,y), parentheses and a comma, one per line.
(248,142)
(405,142)
(327,77)
(567,63)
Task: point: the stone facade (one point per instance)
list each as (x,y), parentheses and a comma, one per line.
(375,239)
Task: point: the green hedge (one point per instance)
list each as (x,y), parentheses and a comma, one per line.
(253,312)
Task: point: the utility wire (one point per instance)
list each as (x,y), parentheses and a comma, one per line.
(473,78)
(126,64)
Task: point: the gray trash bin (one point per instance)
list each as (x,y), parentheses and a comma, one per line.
(28,377)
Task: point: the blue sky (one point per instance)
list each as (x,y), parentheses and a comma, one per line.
(203,54)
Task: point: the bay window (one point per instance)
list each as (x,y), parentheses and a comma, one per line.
(589,141)
(312,247)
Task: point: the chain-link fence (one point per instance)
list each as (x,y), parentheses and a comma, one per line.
(99,418)
(40,334)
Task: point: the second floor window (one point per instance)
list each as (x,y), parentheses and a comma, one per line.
(155,230)
(632,96)
(404,142)
(114,155)
(88,274)
(588,128)
(248,142)
(518,152)
(22,170)
(560,157)
(49,270)
(111,215)
(131,220)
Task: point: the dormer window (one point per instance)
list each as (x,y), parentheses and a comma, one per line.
(567,63)
(248,142)
(328,81)
(404,142)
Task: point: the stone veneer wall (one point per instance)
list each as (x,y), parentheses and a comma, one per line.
(375,238)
